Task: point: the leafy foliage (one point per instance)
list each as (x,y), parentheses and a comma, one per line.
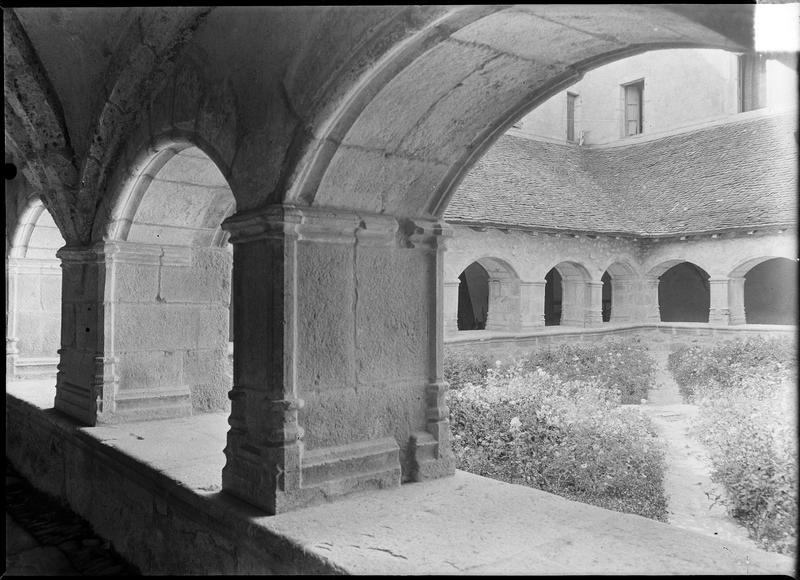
(461,368)
(623,365)
(746,391)
(569,437)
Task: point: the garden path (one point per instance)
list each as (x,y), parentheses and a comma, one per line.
(688,484)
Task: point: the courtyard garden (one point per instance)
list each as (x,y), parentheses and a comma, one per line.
(746,393)
(561,420)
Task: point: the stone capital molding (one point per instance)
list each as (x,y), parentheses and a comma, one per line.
(329,225)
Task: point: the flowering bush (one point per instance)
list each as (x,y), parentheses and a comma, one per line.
(461,367)
(746,391)
(570,438)
(623,365)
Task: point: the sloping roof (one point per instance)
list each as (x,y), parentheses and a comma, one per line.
(738,174)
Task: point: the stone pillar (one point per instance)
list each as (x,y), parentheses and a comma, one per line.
(85,380)
(11,318)
(504,305)
(531,295)
(623,299)
(594,303)
(650,312)
(718,311)
(33,308)
(573,301)
(337,366)
(168,329)
(736,301)
(451,307)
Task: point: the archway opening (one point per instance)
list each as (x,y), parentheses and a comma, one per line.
(33,298)
(553,294)
(607,296)
(684,294)
(770,292)
(171,337)
(473,298)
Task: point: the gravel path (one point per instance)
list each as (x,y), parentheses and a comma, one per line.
(688,484)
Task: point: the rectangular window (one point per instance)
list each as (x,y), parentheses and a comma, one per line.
(571,100)
(752,82)
(634,117)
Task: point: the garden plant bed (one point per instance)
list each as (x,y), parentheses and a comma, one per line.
(745,391)
(561,420)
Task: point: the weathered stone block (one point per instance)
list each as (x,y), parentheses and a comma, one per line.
(136,283)
(149,369)
(392,313)
(51,293)
(208,279)
(325,325)
(29,292)
(344,416)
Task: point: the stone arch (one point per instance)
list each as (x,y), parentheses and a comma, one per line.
(618,293)
(489,296)
(33,295)
(684,293)
(36,134)
(769,290)
(168,270)
(567,294)
(142,63)
(419,162)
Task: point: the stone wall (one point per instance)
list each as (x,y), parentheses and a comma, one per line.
(708,91)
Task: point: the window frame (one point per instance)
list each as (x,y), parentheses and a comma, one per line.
(572,105)
(639,84)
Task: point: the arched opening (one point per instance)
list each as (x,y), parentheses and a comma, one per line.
(684,294)
(770,292)
(473,298)
(171,292)
(33,275)
(553,292)
(567,295)
(607,296)
(488,296)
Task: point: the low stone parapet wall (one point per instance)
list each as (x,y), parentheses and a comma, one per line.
(671,335)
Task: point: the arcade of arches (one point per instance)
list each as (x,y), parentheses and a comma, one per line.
(609,280)
(332,142)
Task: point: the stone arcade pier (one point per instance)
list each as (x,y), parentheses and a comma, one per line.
(161,507)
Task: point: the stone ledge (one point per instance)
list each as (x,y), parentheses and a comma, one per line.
(168,516)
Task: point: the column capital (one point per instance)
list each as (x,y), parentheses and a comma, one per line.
(332,225)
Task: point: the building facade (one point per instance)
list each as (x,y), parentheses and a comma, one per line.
(691,218)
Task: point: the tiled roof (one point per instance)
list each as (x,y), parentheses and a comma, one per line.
(733,175)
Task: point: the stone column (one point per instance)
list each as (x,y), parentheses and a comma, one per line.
(86,380)
(650,312)
(594,303)
(531,295)
(718,311)
(573,301)
(622,299)
(451,306)
(338,332)
(736,301)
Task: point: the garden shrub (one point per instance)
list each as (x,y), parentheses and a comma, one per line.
(746,391)
(623,365)
(570,438)
(462,367)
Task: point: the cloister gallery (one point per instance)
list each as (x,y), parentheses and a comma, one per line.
(311,185)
